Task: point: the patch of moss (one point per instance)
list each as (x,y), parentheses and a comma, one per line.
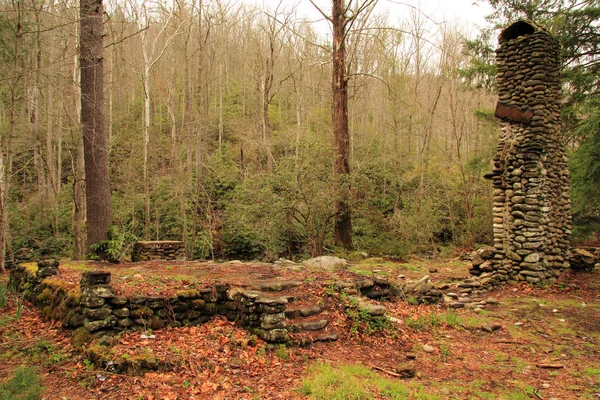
(47,296)
(30,267)
(188,294)
(47,311)
(81,337)
(97,354)
(74,318)
(146,360)
(60,312)
(142,312)
(57,285)
(75,265)
(73,297)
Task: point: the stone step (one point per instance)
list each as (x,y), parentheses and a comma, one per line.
(308,311)
(308,338)
(276,285)
(312,324)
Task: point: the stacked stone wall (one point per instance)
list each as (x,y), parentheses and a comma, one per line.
(531,204)
(158,250)
(94,306)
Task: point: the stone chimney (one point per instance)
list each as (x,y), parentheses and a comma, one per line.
(532,207)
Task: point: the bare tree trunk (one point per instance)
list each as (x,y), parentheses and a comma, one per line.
(145,144)
(341,136)
(6,146)
(92,117)
(265,120)
(79,211)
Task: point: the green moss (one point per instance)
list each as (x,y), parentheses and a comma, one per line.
(74,318)
(145,360)
(58,285)
(188,294)
(60,312)
(30,267)
(198,304)
(81,337)
(142,312)
(593,372)
(73,297)
(47,311)
(47,296)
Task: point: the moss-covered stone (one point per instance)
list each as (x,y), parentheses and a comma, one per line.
(60,312)
(155,302)
(30,267)
(137,299)
(81,337)
(74,318)
(73,297)
(122,312)
(119,300)
(156,323)
(209,309)
(94,326)
(46,297)
(125,323)
(142,312)
(97,313)
(197,304)
(273,336)
(188,294)
(89,300)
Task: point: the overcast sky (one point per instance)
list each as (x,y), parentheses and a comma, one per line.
(461,13)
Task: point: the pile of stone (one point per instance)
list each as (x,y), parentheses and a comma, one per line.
(531,208)
(264,315)
(584,259)
(421,291)
(158,250)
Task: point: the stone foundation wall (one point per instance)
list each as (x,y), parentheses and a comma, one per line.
(94,306)
(532,208)
(158,250)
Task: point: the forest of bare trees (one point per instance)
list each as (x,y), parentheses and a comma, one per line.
(219,124)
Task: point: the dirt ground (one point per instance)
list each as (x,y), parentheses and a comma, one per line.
(547,345)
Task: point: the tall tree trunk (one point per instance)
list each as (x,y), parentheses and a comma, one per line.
(78,166)
(341,136)
(95,142)
(6,146)
(145,144)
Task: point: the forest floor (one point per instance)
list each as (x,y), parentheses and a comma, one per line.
(547,345)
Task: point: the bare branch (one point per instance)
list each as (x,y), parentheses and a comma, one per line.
(327,17)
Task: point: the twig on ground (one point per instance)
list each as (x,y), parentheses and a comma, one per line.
(386,371)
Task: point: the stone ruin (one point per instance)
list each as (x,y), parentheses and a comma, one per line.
(169,250)
(530,178)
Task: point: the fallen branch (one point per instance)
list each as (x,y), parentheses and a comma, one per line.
(505,341)
(549,365)
(386,371)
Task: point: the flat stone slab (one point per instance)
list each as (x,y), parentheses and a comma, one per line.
(312,325)
(374,310)
(276,286)
(328,337)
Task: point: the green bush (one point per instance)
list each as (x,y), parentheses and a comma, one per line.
(24,385)
(112,248)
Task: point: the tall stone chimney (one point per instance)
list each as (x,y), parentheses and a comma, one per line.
(532,207)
